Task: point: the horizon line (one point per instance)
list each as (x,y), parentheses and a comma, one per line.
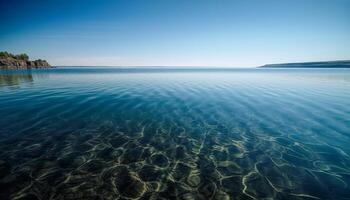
(206,66)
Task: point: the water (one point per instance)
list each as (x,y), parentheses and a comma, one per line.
(108,133)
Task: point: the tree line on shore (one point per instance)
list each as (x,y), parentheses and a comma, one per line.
(21,56)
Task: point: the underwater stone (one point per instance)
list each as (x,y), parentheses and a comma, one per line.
(129,186)
(193,180)
(221,195)
(232,185)
(159,160)
(150,173)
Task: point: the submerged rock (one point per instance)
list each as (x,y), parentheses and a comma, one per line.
(128,184)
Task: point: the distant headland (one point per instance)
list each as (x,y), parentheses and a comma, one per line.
(325,64)
(20,61)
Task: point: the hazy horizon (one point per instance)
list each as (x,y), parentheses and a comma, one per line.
(176,33)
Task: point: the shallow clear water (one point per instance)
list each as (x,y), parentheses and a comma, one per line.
(108,133)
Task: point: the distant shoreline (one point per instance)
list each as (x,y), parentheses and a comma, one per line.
(325,64)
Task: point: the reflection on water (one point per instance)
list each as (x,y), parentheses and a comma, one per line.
(176,134)
(15,79)
(18,77)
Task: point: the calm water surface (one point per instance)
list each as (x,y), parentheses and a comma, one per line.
(108,133)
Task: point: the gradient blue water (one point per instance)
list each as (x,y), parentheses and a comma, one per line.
(109,133)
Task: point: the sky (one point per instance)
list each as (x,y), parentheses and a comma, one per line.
(219,33)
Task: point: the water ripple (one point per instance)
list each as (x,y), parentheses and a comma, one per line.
(244,134)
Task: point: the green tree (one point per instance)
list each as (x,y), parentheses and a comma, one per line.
(22,56)
(5,54)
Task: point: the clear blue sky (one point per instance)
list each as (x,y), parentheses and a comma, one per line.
(176,33)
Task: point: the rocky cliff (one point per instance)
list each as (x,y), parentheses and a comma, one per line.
(10,61)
